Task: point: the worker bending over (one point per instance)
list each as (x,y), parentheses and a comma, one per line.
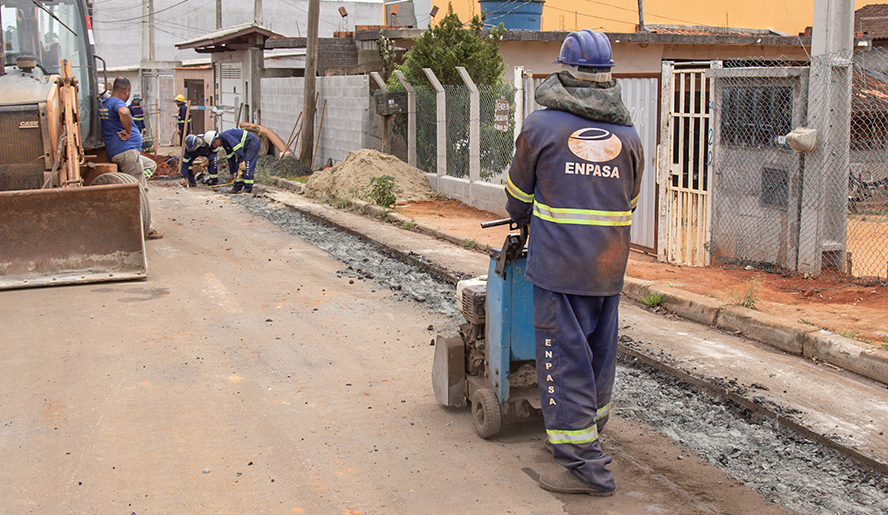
(196,147)
(240,147)
(575,179)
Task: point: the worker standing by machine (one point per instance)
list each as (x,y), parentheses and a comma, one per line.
(123,142)
(182,128)
(196,147)
(575,179)
(240,147)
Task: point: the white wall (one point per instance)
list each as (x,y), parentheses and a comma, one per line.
(118,29)
(345,118)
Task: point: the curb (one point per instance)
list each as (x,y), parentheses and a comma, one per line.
(790,337)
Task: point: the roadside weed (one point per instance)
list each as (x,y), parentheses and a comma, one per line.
(408,225)
(748,297)
(653,300)
(382,191)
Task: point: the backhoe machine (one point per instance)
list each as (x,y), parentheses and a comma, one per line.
(66,215)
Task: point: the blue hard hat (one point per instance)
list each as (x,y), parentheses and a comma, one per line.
(191,142)
(586,48)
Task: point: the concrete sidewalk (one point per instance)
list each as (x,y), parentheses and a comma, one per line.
(791,337)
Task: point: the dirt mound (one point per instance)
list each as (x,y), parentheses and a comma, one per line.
(287,166)
(350,179)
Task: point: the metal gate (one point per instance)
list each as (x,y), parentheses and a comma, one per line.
(685,167)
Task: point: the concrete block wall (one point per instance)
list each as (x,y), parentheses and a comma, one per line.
(345,123)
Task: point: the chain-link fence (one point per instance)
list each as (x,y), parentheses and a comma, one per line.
(822,211)
(496,106)
(497,113)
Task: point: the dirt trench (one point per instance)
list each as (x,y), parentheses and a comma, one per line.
(784,467)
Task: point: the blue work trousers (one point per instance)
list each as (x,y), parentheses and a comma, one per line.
(251,157)
(576,350)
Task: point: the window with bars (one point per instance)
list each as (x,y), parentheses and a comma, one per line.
(756,116)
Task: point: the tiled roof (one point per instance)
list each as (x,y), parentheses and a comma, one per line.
(869,95)
(691,30)
(872,20)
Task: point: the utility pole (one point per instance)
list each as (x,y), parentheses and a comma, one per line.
(218,14)
(151,30)
(823,239)
(257,12)
(311,69)
(640,15)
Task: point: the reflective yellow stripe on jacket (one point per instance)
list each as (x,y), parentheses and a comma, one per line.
(517,193)
(582,216)
(239,145)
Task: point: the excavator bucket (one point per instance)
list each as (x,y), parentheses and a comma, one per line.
(71,235)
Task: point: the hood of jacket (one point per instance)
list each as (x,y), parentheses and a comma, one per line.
(597,101)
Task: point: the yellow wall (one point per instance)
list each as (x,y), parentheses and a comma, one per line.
(790,16)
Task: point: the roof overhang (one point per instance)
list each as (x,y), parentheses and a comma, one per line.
(238,37)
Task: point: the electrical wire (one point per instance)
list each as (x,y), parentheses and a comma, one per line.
(794,29)
(633,23)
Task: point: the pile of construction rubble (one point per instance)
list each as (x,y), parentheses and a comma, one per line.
(351,179)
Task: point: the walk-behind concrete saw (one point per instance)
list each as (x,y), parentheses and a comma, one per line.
(490,363)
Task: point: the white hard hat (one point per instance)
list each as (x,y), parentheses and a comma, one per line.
(209,137)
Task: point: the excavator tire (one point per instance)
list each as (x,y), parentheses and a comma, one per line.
(122,178)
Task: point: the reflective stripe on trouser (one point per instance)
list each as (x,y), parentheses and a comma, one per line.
(576,350)
(251,155)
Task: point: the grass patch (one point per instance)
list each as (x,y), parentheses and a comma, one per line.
(408,225)
(749,296)
(470,244)
(653,300)
(852,335)
(805,321)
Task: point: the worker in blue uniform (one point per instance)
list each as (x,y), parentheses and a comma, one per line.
(240,147)
(575,179)
(196,147)
(138,113)
(182,129)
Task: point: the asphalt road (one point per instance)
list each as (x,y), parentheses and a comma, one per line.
(247,375)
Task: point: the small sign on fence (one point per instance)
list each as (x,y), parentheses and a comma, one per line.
(501,115)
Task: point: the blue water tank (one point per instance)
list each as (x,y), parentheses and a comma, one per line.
(513,14)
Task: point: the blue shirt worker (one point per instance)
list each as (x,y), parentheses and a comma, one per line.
(575,179)
(181,129)
(240,147)
(138,113)
(196,147)
(123,142)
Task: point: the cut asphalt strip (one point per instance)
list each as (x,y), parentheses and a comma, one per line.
(791,337)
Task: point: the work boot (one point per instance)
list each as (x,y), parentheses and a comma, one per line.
(236,189)
(564,482)
(548,446)
(212,182)
(154,234)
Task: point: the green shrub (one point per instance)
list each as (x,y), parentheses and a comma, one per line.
(382,191)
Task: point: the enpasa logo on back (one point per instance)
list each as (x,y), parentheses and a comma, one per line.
(595,145)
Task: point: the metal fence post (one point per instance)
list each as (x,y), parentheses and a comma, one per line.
(411,117)
(474,125)
(441,121)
